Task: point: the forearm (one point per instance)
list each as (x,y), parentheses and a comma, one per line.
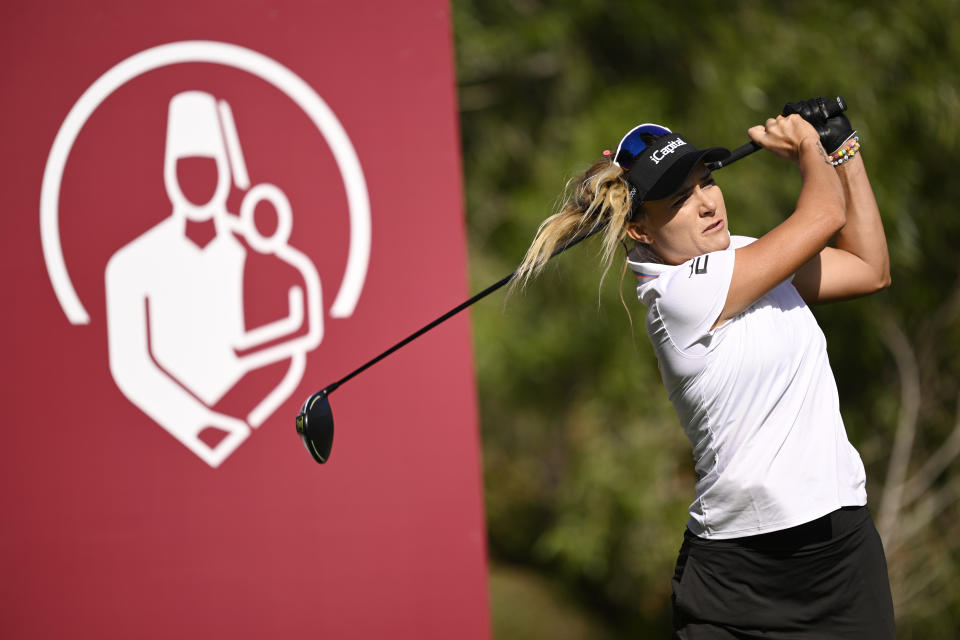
(783,250)
(822,192)
(863,234)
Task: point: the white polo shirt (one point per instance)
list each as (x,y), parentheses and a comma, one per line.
(756,398)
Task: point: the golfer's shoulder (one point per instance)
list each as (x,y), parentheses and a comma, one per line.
(692,294)
(703,274)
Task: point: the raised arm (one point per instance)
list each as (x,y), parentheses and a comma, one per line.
(859,263)
(819,214)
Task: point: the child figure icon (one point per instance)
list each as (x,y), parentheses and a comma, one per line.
(177,335)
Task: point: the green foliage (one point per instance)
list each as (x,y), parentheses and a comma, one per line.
(587,471)
(528,605)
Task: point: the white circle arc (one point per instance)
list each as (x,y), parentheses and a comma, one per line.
(229,55)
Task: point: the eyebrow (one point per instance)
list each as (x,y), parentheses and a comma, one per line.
(682,195)
(686,192)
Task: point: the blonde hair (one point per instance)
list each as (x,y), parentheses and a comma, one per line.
(598,198)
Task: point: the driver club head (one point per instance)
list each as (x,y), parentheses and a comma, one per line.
(315,426)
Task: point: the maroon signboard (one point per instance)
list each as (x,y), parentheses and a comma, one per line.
(214,209)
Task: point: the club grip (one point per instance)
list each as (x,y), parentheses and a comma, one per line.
(829,109)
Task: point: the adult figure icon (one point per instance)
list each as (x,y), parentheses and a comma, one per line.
(175,310)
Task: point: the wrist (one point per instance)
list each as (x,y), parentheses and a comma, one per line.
(810,147)
(847,150)
(851,169)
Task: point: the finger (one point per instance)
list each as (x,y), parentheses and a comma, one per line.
(756,133)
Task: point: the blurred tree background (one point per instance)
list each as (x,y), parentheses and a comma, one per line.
(587,472)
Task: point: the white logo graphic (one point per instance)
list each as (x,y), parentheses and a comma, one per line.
(660,154)
(177,336)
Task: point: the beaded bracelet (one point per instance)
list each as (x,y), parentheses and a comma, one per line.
(849,149)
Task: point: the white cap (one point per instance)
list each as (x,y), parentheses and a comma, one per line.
(193,129)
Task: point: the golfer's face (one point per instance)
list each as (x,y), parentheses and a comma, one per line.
(690,222)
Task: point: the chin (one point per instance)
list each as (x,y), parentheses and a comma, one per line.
(718,243)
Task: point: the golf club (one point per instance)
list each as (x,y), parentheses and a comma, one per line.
(315,420)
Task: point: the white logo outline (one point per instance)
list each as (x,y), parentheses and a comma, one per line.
(353,278)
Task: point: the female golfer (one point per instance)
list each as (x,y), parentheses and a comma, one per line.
(779,543)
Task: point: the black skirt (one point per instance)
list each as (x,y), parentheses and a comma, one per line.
(824,579)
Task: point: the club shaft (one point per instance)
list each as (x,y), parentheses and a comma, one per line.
(736,154)
(740,152)
(449,314)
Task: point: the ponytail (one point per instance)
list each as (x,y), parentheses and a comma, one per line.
(598,198)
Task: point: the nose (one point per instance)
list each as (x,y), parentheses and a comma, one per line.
(705,200)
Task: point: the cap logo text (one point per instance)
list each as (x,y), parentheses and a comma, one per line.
(660,154)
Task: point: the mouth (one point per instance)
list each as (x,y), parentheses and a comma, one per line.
(716,226)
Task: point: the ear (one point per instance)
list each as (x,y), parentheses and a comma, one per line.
(637,231)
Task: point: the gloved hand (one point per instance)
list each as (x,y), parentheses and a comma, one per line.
(827,118)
